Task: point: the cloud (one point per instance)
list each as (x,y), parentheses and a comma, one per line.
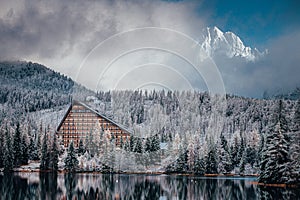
(46,30)
(60,34)
(277,71)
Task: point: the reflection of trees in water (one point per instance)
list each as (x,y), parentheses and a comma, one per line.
(48,186)
(122,186)
(71,180)
(13,187)
(278,193)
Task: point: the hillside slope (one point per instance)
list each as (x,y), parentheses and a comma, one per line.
(26,88)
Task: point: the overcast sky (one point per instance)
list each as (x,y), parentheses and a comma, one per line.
(78,39)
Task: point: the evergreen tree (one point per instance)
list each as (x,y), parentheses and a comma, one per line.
(191,154)
(17,148)
(296,119)
(241,149)
(81,149)
(275,155)
(24,148)
(8,160)
(45,155)
(138,146)
(199,167)
(53,160)
(234,149)
(33,151)
(260,148)
(225,164)
(293,170)
(71,162)
(250,155)
(38,146)
(127,145)
(152,144)
(211,161)
(92,140)
(243,163)
(181,162)
(2,149)
(294,167)
(155,144)
(148,145)
(132,141)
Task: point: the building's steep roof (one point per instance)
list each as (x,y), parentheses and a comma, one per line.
(94,111)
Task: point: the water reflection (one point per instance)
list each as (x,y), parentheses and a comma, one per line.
(122,186)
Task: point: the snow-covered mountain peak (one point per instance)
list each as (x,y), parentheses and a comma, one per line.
(217,43)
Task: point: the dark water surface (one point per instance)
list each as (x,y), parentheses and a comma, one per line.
(123,186)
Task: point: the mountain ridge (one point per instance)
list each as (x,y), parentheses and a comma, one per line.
(29,87)
(218,43)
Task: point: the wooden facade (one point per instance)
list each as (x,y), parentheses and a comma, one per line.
(80,120)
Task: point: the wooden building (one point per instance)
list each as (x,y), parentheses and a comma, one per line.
(81,119)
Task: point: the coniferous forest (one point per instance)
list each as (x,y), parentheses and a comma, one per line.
(208,134)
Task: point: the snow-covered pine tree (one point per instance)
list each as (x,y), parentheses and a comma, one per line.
(2,149)
(155,143)
(296,119)
(241,149)
(261,148)
(8,160)
(181,162)
(199,167)
(251,155)
(126,146)
(234,149)
(81,148)
(24,148)
(191,154)
(225,164)
(211,166)
(148,145)
(32,148)
(71,162)
(45,155)
(275,156)
(242,163)
(138,145)
(17,141)
(294,167)
(38,145)
(53,160)
(92,141)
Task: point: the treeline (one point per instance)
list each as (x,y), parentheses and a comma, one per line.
(237,142)
(18,145)
(276,159)
(13,149)
(273,154)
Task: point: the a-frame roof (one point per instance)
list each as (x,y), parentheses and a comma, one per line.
(95,112)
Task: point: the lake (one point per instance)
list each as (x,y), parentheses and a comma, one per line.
(135,186)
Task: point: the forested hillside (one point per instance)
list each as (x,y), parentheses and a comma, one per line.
(28,87)
(208,133)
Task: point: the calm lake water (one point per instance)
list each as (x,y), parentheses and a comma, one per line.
(123,186)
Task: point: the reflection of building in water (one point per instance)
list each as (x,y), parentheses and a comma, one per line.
(81,120)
